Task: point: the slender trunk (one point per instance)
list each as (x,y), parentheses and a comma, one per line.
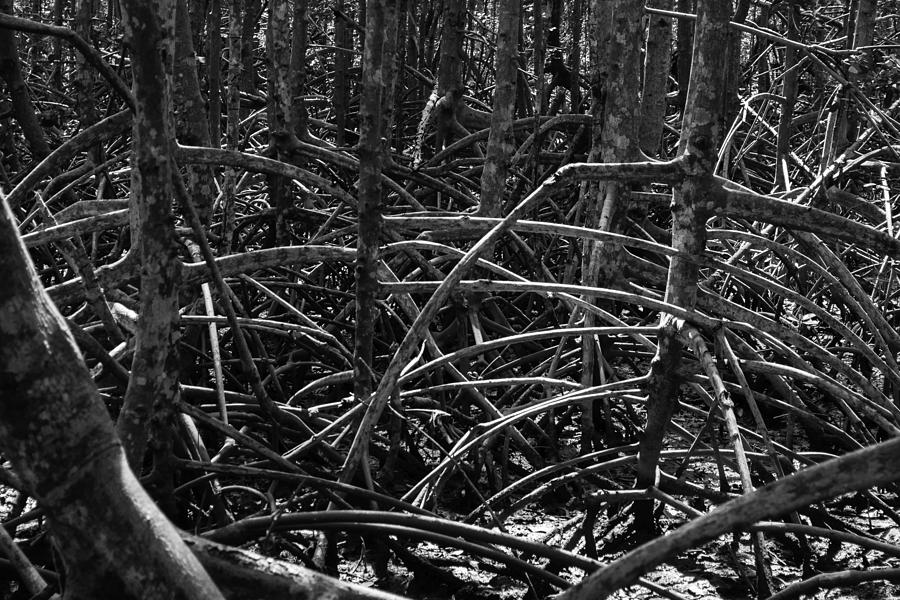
(191,119)
(616,26)
(58,8)
(233,108)
(83,82)
(214,35)
(297,79)
(340,92)
(733,77)
(278,109)
(702,129)
(249,75)
(381,23)
(500,140)
(575,21)
(656,79)
(685,41)
(153,387)
(540,92)
(863,36)
(789,91)
(450,85)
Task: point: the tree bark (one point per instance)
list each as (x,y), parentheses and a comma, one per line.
(450,84)
(55,430)
(685,41)
(297,80)
(153,388)
(340,93)
(214,35)
(702,129)
(376,96)
(656,79)
(500,140)
(233,108)
(191,119)
(278,107)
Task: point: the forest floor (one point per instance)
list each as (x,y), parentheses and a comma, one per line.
(706,573)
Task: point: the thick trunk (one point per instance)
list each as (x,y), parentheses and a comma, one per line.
(55,430)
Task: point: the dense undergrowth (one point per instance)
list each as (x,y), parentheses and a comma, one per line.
(791,349)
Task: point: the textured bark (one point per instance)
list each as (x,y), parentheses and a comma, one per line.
(153,387)
(702,129)
(55,430)
(656,79)
(863,35)
(340,93)
(249,75)
(500,140)
(214,35)
(685,40)
(278,106)
(191,122)
(22,107)
(233,108)
(372,149)
(83,82)
(278,51)
(450,84)
(297,79)
(615,76)
(244,575)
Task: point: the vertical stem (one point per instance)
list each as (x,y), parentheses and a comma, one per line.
(371,161)
(191,119)
(500,142)
(297,80)
(702,129)
(233,107)
(214,20)
(153,387)
(783,143)
(656,79)
(278,108)
(252,12)
(342,46)
(575,21)
(685,37)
